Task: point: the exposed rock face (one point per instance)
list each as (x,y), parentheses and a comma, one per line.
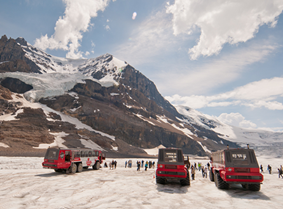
(143,85)
(16,85)
(108,114)
(12,57)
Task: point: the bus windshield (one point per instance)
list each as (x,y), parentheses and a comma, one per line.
(52,154)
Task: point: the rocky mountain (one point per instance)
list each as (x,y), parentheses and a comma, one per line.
(103,103)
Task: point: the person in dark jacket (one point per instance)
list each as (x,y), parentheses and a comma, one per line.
(193,172)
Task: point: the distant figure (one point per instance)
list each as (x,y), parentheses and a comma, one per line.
(149,164)
(199,166)
(193,172)
(138,165)
(110,165)
(269,169)
(145,166)
(280,172)
(126,164)
(261,169)
(142,163)
(115,164)
(130,163)
(105,165)
(208,165)
(205,172)
(153,164)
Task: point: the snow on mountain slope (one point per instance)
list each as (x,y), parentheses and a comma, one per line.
(65,118)
(260,140)
(61,74)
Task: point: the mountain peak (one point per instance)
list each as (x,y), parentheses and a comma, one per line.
(22,41)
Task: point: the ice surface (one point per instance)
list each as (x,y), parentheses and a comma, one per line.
(24,184)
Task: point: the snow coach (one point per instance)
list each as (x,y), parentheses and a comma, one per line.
(72,160)
(172,167)
(235,166)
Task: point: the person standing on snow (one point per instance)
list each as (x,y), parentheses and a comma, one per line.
(261,169)
(205,172)
(138,165)
(146,165)
(269,169)
(280,172)
(193,172)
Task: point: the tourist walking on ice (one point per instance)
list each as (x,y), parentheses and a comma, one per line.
(280,172)
(146,165)
(269,169)
(193,172)
(138,165)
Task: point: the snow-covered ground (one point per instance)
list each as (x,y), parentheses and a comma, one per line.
(25,184)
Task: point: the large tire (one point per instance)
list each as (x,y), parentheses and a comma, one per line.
(57,170)
(211,175)
(254,187)
(220,184)
(80,167)
(73,168)
(96,166)
(160,180)
(186,181)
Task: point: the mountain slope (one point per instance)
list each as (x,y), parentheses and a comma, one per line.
(122,109)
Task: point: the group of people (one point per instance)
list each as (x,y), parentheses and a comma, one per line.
(112,164)
(269,169)
(199,167)
(148,164)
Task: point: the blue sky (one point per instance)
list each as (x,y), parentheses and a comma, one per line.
(223,58)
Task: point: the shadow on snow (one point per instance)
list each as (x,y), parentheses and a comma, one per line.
(237,191)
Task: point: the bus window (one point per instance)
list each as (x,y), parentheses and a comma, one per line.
(67,156)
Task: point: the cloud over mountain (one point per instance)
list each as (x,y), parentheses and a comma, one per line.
(69,28)
(221,22)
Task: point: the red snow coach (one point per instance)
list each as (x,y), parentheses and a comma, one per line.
(171,167)
(235,166)
(72,160)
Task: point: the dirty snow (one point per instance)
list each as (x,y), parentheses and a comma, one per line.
(58,142)
(153,151)
(25,184)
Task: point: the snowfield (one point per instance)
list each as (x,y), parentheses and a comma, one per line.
(25,184)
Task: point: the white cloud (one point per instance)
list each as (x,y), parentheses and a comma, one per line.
(134,15)
(257,94)
(236,119)
(107,27)
(87,53)
(222,21)
(69,28)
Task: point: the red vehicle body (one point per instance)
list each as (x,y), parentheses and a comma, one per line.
(235,166)
(171,166)
(72,160)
